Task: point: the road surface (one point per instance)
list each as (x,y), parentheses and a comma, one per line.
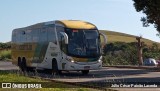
(6,65)
(106,74)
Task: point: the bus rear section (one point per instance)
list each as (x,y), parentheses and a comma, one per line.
(70,45)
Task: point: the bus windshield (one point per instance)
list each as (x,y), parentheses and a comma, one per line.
(83,43)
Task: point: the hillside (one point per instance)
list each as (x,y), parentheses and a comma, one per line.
(122,37)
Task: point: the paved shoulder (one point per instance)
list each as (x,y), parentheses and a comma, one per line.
(5,65)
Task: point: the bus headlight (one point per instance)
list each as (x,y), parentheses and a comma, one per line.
(100,59)
(70,59)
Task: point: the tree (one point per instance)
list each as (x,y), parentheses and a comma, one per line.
(120,53)
(5,45)
(152,10)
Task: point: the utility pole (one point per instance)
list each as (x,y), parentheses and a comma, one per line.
(140,50)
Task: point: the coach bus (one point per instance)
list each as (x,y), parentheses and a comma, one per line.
(60,45)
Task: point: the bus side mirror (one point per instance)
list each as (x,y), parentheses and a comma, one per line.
(104,42)
(65,37)
(104,38)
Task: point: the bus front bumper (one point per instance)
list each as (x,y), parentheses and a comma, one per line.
(84,65)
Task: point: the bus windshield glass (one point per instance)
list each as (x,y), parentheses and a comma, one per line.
(83,43)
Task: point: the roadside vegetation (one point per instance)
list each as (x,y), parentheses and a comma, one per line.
(122,49)
(5,46)
(5,52)
(121,53)
(5,55)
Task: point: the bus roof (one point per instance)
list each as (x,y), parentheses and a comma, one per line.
(74,24)
(77,24)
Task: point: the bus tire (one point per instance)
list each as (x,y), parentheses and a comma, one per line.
(19,61)
(23,64)
(85,72)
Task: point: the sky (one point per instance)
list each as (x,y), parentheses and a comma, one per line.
(113,15)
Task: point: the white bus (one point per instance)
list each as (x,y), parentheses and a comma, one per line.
(60,45)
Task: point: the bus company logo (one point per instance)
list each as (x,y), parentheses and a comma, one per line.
(6,85)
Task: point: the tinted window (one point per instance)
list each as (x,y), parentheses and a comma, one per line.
(43,35)
(51,34)
(35,35)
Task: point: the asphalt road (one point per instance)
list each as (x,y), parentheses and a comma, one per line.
(5,65)
(113,74)
(106,74)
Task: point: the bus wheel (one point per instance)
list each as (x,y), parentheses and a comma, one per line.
(85,72)
(19,62)
(23,64)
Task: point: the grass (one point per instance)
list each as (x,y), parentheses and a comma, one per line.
(12,77)
(5,54)
(122,37)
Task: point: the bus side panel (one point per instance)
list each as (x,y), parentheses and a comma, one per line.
(23,50)
(27,43)
(51,53)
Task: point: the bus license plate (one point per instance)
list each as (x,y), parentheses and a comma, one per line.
(86,67)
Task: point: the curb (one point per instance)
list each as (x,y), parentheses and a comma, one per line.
(136,67)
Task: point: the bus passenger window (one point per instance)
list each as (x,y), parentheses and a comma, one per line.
(51,34)
(35,34)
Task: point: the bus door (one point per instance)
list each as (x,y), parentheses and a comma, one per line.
(62,46)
